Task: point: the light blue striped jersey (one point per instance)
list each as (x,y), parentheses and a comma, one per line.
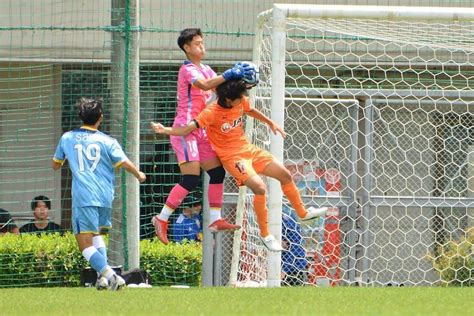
(92,156)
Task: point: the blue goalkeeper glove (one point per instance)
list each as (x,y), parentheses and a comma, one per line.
(247,67)
(236,72)
(251,76)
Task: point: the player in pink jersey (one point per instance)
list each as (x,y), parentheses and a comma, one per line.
(196,82)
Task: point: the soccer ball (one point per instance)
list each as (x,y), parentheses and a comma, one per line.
(251,76)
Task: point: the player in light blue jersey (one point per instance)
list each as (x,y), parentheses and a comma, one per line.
(92,157)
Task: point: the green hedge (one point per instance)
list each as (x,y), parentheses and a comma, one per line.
(55,260)
(455,261)
(173,263)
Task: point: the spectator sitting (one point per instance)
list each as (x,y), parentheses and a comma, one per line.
(188,224)
(7,224)
(40,205)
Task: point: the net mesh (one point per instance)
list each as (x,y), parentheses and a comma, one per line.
(54,52)
(379,118)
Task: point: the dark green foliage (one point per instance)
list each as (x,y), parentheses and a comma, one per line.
(55,260)
(172,264)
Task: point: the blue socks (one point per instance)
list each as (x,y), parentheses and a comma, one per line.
(95,258)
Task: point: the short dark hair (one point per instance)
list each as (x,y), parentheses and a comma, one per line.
(7,224)
(231,89)
(89,110)
(40,198)
(186,36)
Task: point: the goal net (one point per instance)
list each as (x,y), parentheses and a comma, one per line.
(378,105)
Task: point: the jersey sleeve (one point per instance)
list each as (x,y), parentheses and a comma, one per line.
(246,105)
(117,154)
(59,155)
(191,74)
(205,118)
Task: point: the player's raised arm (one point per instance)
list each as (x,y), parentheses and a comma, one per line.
(176,131)
(208,84)
(263,118)
(238,71)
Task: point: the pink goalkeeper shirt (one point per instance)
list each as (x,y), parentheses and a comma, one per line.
(191,99)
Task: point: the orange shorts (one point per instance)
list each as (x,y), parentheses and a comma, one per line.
(246,163)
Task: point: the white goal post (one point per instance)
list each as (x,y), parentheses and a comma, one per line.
(378,104)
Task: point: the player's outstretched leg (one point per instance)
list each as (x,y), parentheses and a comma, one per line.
(161,228)
(216,197)
(99,264)
(256,184)
(271,243)
(177,195)
(268,240)
(99,244)
(221,225)
(314,212)
(291,192)
(276,170)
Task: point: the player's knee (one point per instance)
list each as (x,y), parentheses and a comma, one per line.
(190,181)
(259,189)
(286,177)
(216,175)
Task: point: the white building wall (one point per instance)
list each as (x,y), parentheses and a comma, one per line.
(163,17)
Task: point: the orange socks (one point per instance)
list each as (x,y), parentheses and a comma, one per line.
(260,208)
(291,192)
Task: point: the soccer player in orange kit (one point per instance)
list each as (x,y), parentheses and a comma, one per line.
(223,121)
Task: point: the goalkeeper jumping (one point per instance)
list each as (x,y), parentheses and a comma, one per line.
(223,121)
(196,83)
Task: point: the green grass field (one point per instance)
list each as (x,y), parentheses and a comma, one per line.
(229,301)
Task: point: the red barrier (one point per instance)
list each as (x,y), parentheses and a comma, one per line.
(325,270)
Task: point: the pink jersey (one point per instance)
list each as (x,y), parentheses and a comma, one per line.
(191,99)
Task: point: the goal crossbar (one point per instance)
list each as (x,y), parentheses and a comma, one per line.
(376,12)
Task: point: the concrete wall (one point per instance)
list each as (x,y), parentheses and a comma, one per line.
(229,26)
(30,122)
